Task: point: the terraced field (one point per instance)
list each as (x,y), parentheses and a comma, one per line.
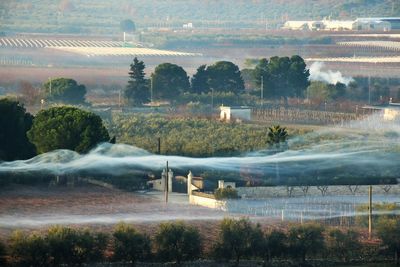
(40,43)
(121,51)
(375,60)
(382,45)
(87,47)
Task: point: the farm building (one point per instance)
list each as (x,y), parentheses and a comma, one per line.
(389,113)
(303,25)
(362,24)
(235,113)
(339,25)
(392,112)
(394,22)
(372,25)
(222,184)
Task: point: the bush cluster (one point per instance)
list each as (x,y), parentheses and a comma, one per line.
(237,239)
(224,193)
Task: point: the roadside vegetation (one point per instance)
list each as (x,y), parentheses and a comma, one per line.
(237,240)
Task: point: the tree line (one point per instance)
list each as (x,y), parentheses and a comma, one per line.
(62,127)
(279,77)
(236,240)
(263,81)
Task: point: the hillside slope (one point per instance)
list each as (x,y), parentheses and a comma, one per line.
(103,16)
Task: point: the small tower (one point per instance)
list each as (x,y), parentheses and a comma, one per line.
(189,183)
(170,178)
(163,179)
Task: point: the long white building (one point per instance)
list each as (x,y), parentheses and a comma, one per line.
(340,25)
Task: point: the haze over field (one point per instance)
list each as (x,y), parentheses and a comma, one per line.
(367,148)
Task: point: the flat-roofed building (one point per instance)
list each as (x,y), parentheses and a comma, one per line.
(303,25)
(394,21)
(372,25)
(361,24)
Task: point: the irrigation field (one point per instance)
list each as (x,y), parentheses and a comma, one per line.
(88,48)
(122,51)
(383,45)
(41,43)
(376,60)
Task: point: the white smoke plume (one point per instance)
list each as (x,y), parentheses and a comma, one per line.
(332,77)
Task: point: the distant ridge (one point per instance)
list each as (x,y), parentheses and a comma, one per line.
(104,16)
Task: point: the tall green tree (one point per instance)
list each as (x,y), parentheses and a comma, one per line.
(298,75)
(389,233)
(237,239)
(74,247)
(261,76)
(177,242)
(224,76)
(64,90)
(344,245)
(305,240)
(14,124)
(130,245)
(67,128)
(284,77)
(340,90)
(275,245)
(321,91)
(29,250)
(169,81)
(137,91)
(3,254)
(199,81)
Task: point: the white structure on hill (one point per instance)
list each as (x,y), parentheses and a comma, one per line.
(362,24)
(235,113)
(392,112)
(223,185)
(160,184)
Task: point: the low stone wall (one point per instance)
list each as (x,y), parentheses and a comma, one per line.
(293,191)
(207,202)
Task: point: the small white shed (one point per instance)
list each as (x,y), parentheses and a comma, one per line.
(235,113)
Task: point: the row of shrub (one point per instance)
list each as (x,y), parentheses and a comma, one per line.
(178,242)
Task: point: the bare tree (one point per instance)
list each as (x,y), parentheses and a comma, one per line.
(323,189)
(29,94)
(289,190)
(305,189)
(386,188)
(353,188)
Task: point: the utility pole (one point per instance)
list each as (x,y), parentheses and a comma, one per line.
(166,184)
(151,89)
(370,213)
(119,98)
(159,145)
(212,99)
(262,90)
(50,85)
(369,89)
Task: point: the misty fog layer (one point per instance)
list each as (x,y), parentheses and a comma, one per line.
(367,148)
